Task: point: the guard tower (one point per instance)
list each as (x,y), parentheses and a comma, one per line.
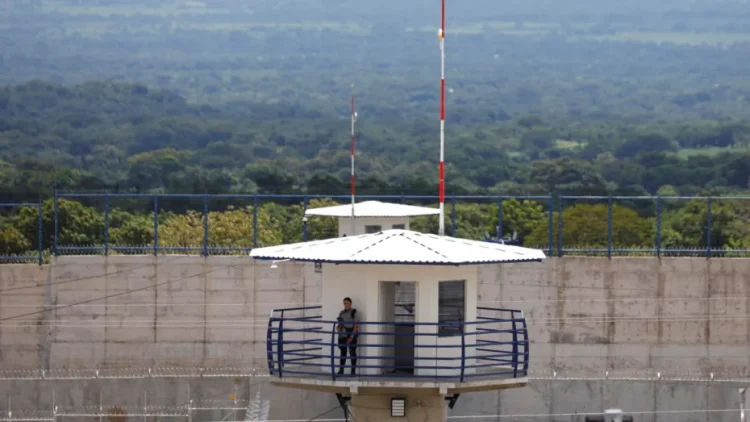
(412,363)
(371,216)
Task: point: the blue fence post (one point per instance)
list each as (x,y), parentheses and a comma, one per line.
(550,226)
(658,226)
(255,220)
(156,225)
(500,218)
(106,225)
(560,228)
(708,228)
(453,215)
(57,228)
(304,220)
(609,227)
(205,225)
(40,231)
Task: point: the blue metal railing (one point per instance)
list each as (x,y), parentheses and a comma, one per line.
(709,238)
(300,344)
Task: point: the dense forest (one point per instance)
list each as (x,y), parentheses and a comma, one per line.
(131,138)
(562,98)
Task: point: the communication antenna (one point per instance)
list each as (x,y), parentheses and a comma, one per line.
(441,38)
(354,119)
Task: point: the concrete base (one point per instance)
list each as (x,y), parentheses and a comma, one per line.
(420,406)
(355,387)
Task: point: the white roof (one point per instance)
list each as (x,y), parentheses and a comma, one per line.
(399,247)
(373,209)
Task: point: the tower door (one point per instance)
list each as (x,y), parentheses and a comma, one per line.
(398,308)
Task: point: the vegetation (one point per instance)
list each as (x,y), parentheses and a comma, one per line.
(232,230)
(574,98)
(129,138)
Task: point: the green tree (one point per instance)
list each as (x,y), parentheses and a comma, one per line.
(585,226)
(12,241)
(686,227)
(126,229)
(77,225)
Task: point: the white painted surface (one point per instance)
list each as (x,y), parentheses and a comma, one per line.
(372,209)
(400,246)
(362,283)
(361,223)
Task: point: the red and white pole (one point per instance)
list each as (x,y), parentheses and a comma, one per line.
(354,119)
(441,37)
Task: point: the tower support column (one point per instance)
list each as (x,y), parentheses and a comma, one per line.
(420,406)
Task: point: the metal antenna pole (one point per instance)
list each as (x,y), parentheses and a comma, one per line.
(352,148)
(441,37)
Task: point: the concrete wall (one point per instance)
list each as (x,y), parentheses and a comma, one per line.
(587,316)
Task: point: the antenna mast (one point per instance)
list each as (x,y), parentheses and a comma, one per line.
(354,119)
(441,37)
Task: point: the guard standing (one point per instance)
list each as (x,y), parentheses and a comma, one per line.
(348,329)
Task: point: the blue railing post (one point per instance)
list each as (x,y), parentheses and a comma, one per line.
(333,353)
(515,344)
(106,225)
(463,350)
(40,231)
(156,225)
(658,226)
(560,228)
(255,220)
(550,226)
(280,344)
(57,225)
(708,228)
(304,220)
(205,225)
(500,218)
(609,227)
(269,344)
(453,216)
(526,353)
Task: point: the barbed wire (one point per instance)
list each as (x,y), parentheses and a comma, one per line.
(253,322)
(185,412)
(540,300)
(261,371)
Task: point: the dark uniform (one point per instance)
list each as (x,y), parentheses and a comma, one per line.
(347,320)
